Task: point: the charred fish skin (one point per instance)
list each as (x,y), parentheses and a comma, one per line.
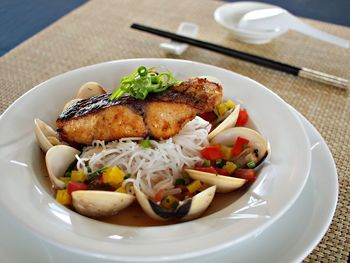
(161,115)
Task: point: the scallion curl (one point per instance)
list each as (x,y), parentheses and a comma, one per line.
(143,81)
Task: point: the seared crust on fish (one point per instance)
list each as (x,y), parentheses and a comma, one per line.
(161,115)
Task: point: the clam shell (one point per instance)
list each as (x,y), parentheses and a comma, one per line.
(57,159)
(90,89)
(187,210)
(229,122)
(45,135)
(229,136)
(224,184)
(100,203)
(200,203)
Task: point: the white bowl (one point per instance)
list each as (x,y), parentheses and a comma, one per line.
(229,15)
(25,194)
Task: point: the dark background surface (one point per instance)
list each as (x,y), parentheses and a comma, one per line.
(21,19)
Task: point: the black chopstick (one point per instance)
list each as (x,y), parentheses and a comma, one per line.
(301,72)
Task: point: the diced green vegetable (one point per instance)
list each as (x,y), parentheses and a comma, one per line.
(219,163)
(251,164)
(179,181)
(206,163)
(146,143)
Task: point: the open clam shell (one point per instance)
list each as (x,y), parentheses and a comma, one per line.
(224,184)
(90,89)
(45,135)
(57,159)
(187,210)
(100,203)
(256,141)
(229,122)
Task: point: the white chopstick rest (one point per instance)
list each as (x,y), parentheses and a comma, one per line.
(185,29)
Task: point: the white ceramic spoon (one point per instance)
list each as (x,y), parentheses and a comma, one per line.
(276,19)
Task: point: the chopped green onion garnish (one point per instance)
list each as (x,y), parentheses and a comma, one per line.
(143,81)
(179,181)
(206,163)
(251,164)
(146,143)
(96,174)
(70,168)
(219,163)
(244,146)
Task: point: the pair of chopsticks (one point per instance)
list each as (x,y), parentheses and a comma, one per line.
(300,72)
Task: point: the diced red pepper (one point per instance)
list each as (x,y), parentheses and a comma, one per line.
(75,186)
(209,169)
(159,196)
(247,174)
(242,118)
(184,192)
(209,116)
(222,171)
(212,152)
(238,147)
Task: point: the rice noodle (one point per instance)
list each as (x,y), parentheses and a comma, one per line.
(154,168)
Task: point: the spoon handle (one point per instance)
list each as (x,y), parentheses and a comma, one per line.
(313,32)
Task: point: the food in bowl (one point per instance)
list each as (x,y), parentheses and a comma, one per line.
(169,144)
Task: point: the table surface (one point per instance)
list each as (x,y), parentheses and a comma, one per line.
(21,19)
(98,31)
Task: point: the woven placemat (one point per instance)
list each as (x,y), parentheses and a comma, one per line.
(99,31)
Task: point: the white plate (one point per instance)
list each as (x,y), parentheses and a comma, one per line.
(24,195)
(290,239)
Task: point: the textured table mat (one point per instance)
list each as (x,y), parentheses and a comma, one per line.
(99,31)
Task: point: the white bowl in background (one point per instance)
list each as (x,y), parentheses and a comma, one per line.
(229,16)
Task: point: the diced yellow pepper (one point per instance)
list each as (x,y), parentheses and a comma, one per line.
(226,152)
(66,180)
(194,186)
(229,104)
(230,167)
(221,109)
(121,190)
(170,202)
(78,176)
(113,176)
(63,197)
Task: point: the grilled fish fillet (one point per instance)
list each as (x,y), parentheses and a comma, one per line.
(161,115)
